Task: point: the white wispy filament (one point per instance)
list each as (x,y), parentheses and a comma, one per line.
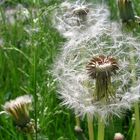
(98,36)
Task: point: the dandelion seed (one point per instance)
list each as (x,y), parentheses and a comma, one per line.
(137,18)
(19,110)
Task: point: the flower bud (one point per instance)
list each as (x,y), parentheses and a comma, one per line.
(126,10)
(118,136)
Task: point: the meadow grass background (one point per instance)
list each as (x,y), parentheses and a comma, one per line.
(28,49)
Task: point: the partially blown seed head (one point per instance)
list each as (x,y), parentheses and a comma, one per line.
(19,110)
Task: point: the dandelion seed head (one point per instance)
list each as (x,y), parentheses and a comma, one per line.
(102,64)
(19,109)
(25,100)
(118,136)
(22,13)
(77,90)
(19,13)
(81,10)
(77,16)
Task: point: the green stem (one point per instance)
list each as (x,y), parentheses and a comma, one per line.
(77,120)
(34,90)
(29,137)
(78,129)
(133,135)
(34,74)
(101,128)
(33,82)
(136,105)
(137,123)
(90,127)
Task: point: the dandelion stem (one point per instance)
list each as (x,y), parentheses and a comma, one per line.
(137,123)
(78,130)
(29,137)
(101,129)
(90,127)
(77,120)
(133,135)
(136,105)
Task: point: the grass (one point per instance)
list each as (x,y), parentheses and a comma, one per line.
(27,53)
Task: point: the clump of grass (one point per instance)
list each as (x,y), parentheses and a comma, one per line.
(26,44)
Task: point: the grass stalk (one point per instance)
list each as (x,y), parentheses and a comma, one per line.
(34,75)
(34,89)
(90,127)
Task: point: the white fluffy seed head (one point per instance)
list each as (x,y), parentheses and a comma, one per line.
(19,109)
(118,136)
(76,89)
(74,18)
(21,100)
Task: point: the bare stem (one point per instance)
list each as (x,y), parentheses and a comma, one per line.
(29,137)
(101,128)
(136,106)
(137,123)
(90,127)
(77,120)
